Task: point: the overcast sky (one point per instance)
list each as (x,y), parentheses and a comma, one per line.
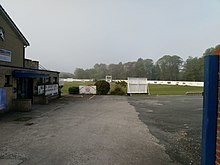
(65,34)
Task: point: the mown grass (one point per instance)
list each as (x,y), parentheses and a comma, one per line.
(66,86)
(155,89)
(172,89)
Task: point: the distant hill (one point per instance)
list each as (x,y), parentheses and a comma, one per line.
(66,75)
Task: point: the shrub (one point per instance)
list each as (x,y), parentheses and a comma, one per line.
(122,84)
(118,91)
(120,88)
(73,90)
(102,87)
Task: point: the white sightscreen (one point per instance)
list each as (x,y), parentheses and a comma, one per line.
(137,85)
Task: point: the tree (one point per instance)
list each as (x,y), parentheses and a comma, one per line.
(121,71)
(129,68)
(169,67)
(91,73)
(101,71)
(144,68)
(140,70)
(80,73)
(193,69)
(175,66)
(217,47)
(149,68)
(210,51)
(117,71)
(156,72)
(66,75)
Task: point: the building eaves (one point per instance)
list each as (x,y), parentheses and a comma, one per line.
(13,26)
(18,67)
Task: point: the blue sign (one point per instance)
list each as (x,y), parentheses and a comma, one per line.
(2,99)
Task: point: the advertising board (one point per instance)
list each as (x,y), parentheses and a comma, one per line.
(50,90)
(5,55)
(87,90)
(2,99)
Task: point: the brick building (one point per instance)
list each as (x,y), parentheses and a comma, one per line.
(22,83)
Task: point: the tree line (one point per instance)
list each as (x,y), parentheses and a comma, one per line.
(168,67)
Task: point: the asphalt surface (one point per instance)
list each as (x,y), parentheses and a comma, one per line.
(82,130)
(176,121)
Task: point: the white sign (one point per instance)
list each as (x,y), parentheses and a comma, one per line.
(40,89)
(108,79)
(87,90)
(50,90)
(137,85)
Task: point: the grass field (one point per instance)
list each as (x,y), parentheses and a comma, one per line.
(66,86)
(172,89)
(154,89)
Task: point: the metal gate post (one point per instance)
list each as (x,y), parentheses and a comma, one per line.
(210,109)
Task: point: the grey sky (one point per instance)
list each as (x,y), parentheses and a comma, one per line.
(79,33)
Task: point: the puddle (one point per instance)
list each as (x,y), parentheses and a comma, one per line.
(28,124)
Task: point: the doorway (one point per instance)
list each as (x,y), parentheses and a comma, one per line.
(25,88)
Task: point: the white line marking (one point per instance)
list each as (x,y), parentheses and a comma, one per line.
(91,97)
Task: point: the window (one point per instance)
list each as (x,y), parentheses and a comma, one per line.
(55,80)
(39,80)
(48,80)
(7,80)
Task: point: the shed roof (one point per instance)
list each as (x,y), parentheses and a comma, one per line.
(13,26)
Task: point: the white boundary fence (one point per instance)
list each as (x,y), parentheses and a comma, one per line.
(183,83)
(76,80)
